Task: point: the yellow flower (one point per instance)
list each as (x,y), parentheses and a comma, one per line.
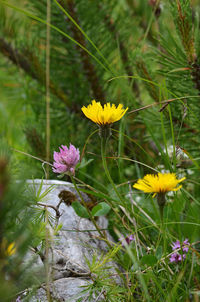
(160,183)
(103,115)
(11,249)
(8,249)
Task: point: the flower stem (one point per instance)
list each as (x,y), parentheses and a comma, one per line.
(161,209)
(161,203)
(163,230)
(103,156)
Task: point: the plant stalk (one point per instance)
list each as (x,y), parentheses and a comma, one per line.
(103,156)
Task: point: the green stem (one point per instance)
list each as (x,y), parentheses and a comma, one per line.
(103,156)
(163,228)
(161,204)
(161,209)
(86,142)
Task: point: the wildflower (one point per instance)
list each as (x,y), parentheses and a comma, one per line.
(104,115)
(127,239)
(176,245)
(7,249)
(175,257)
(11,249)
(184,248)
(66,159)
(160,183)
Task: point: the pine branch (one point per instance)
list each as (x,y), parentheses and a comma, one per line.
(31,65)
(124,55)
(196,75)
(16,57)
(143,22)
(88,67)
(186,30)
(184,21)
(35,141)
(144,73)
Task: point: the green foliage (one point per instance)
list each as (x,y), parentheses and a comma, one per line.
(80,209)
(101,209)
(144,55)
(104,285)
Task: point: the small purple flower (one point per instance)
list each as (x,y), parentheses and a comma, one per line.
(18,299)
(127,239)
(176,245)
(175,257)
(66,159)
(184,248)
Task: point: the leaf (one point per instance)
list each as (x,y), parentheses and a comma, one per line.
(84,163)
(149,260)
(158,253)
(58,228)
(99,194)
(60,176)
(80,209)
(101,209)
(179,69)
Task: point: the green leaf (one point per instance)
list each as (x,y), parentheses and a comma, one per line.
(84,163)
(101,209)
(60,176)
(80,209)
(58,228)
(159,252)
(149,260)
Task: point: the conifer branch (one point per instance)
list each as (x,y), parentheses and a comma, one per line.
(35,140)
(124,55)
(88,67)
(185,26)
(196,75)
(144,73)
(186,31)
(16,57)
(31,65)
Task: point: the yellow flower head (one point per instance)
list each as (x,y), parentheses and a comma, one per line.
(11,249)
(8,249)
(160,183)
(105,115)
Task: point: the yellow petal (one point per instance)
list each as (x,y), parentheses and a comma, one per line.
(105,115)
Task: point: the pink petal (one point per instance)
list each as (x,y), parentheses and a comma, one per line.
(56,156)
(59,168)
